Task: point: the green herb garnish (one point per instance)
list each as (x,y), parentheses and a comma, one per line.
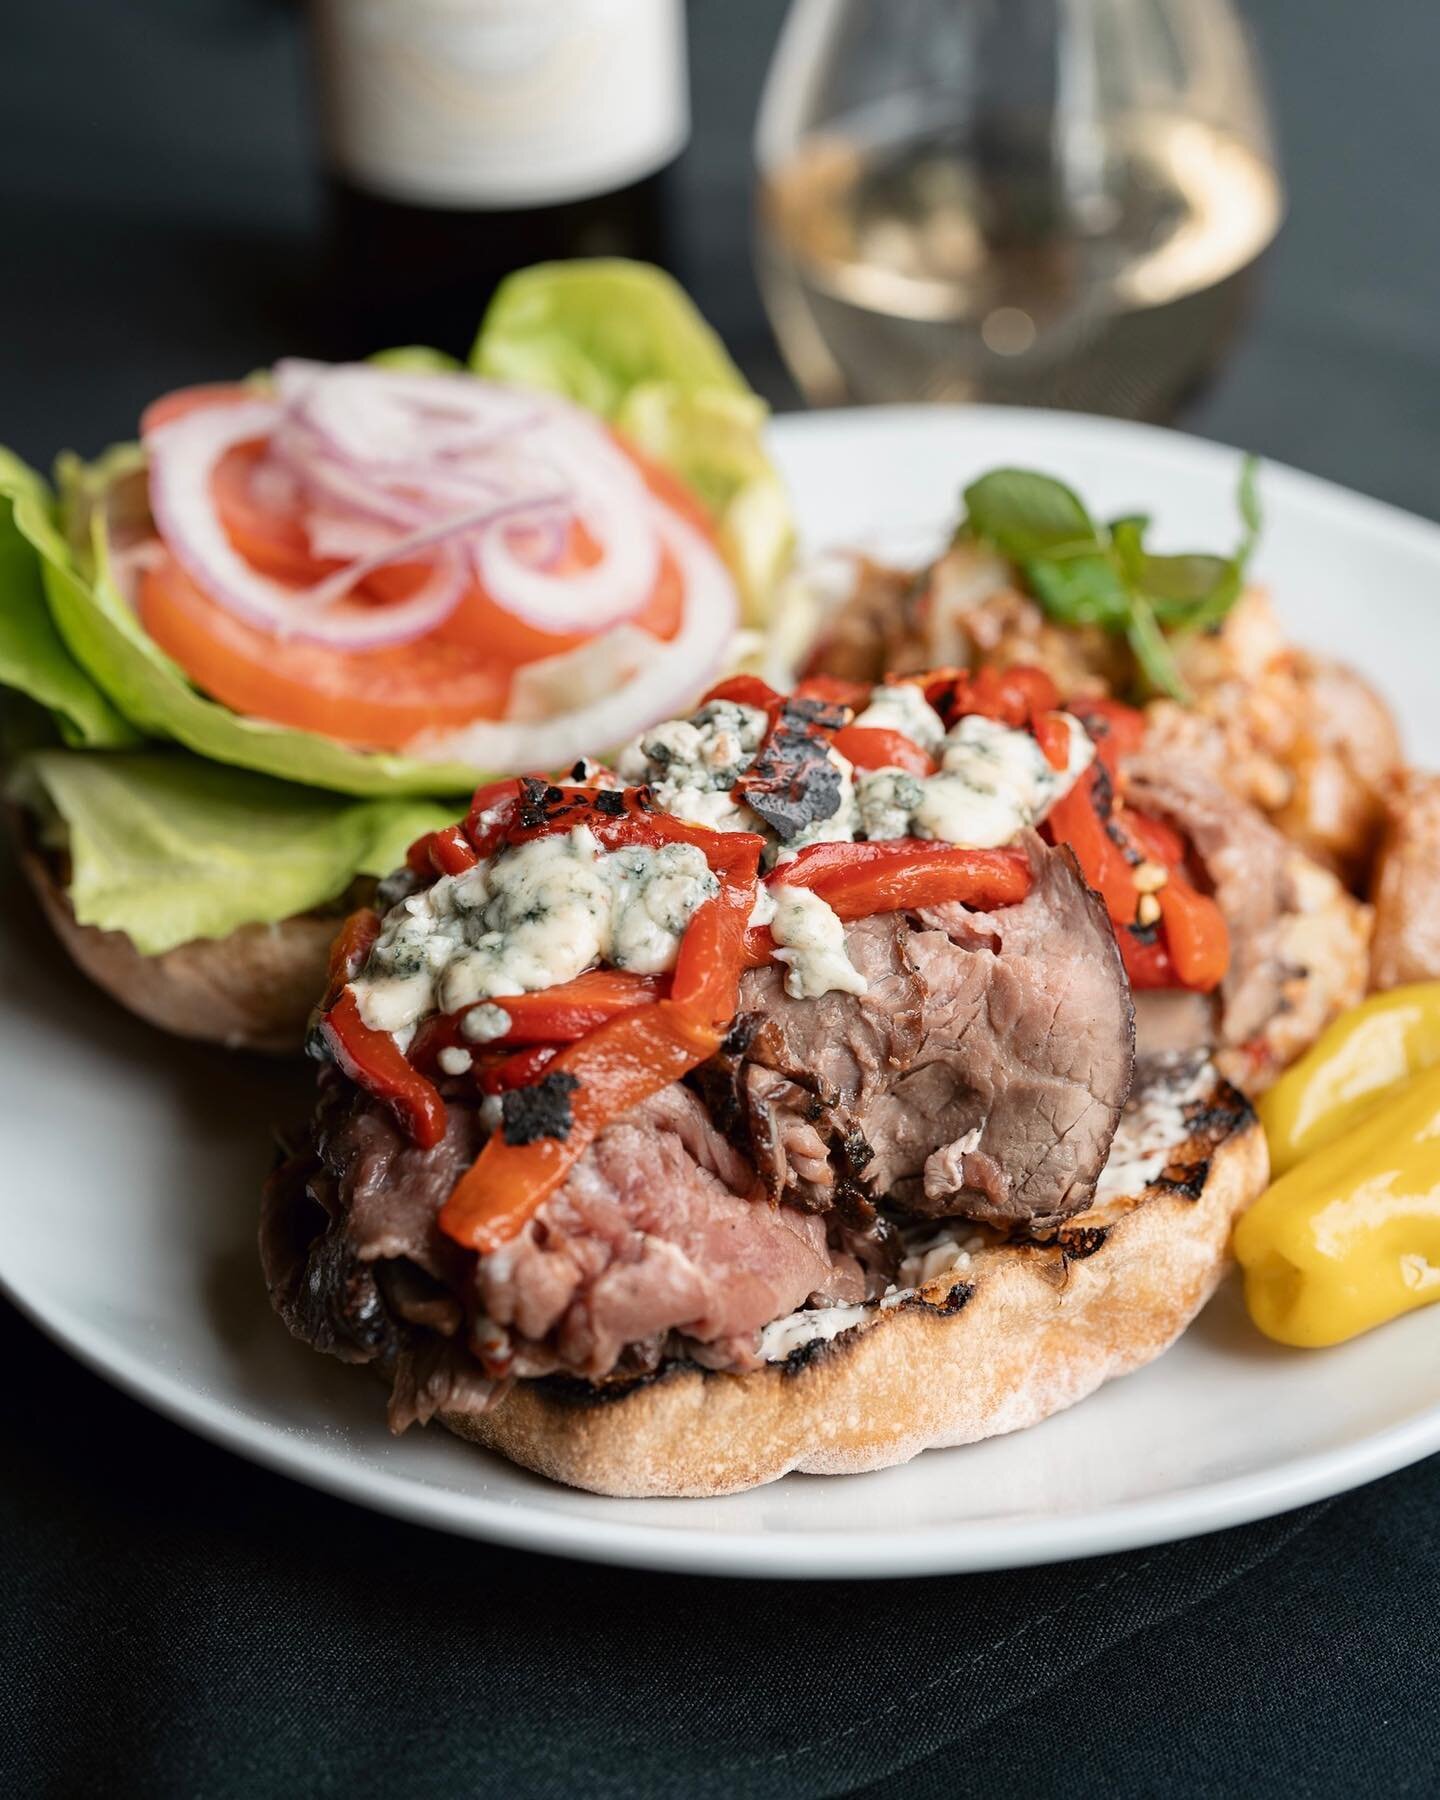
(1086,573)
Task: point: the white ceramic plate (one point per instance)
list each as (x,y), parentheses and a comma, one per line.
(131,1164)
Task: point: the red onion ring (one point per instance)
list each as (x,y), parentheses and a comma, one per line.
(388,466)
(183,455)
(665,676)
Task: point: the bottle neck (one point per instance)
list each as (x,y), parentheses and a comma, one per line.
(500,105)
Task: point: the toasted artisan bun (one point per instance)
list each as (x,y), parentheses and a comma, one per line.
(1017,1333)
(252,990)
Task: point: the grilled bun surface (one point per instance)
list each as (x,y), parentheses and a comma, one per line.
(252,990)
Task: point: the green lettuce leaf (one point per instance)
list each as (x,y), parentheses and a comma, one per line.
(33,657)
(166,847)
(595,329)
(624,340)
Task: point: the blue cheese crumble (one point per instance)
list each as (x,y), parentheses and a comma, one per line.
(691,764)
(901,706)
(530,917)
(991,784)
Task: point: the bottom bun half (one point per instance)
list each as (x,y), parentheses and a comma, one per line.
(252,990)
(1005,1339)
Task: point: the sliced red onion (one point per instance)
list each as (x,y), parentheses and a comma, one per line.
(665,677)
(183,455)
(388,466)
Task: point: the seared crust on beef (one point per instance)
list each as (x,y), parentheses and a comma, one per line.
(1020,1333)
(252,990)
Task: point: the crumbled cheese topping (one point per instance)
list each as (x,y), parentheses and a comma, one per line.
(810,939)
(691,764)
(540,913)
(530,917)
(901,706)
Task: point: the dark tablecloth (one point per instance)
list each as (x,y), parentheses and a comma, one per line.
(176,1622)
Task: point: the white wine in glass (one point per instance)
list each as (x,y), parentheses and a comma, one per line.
(1043,202)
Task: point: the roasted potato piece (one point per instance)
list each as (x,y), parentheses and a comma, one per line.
(1406,888)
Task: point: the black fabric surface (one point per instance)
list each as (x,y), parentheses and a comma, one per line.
(175,1622)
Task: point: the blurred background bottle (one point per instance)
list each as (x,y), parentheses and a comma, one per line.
(466,138)
(1043,202)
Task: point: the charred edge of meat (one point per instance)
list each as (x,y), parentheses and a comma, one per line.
(856,1152)
(1084,1241)
(540,1110)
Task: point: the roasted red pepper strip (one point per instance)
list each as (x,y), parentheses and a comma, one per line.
(1195,949)
(614,1069)
(1158,841)
(353,943)
(981,878)
(374,1061)
(1076,820)
(1052,733)
(877,747)
(556,1015)
(620,819)
(509,1072)
(1118,730)
(712,951)
(1196,934)
(1010,696)
(493,809)
(746,690)
(835,690)
(928,877)
(446,852)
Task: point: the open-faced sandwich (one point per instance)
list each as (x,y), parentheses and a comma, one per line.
(260,643)
(771,1101)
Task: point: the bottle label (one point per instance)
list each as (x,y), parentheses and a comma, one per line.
(500,104)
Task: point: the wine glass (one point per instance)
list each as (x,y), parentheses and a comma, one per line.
(1042,202)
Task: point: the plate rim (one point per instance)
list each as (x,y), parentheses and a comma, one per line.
(969,1546)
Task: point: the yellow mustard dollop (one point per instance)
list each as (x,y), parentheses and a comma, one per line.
(1350,1069)
(1350,1236)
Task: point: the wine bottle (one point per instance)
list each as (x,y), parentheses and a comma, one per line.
(467,138)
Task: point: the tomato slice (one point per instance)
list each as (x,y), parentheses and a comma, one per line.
(374,699)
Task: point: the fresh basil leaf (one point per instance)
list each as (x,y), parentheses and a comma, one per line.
(1026,515)
(1189,592)
(1080,590)
(1152,653)
(1138,522)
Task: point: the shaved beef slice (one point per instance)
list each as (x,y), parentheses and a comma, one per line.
(1007,1113)
(983,1073)
(1245,860)
(659,1229)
